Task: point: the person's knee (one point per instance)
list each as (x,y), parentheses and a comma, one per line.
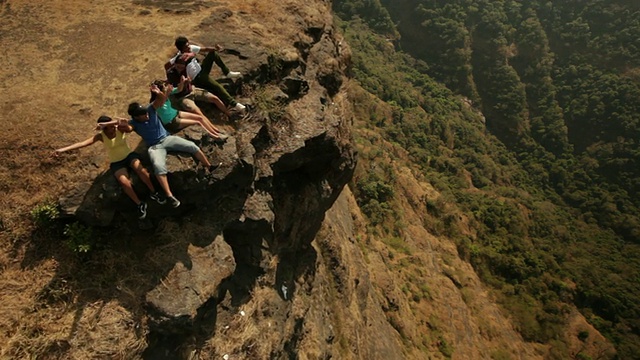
(136,165)
(124,181)
(159,166)
(193,149)
(140,170)
(160,169)
(158,159)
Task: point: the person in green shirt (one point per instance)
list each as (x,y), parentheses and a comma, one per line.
(175,120)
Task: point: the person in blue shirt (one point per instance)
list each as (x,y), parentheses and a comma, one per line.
(145,122)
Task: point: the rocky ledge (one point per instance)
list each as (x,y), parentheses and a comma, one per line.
(285,164)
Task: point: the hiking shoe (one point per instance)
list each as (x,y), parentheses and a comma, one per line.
(233,75)
(142,210)
(173,201)
(213,167)
(240,107)
(157,198)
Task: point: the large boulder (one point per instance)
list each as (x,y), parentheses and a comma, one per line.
(175,301)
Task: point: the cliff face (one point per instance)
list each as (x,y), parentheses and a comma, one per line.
(245,244)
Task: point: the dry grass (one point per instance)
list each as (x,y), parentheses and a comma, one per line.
(73,61)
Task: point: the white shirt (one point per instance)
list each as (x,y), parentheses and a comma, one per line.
(193,67)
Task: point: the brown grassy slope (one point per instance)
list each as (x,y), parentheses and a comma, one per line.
(440,304)
(66,63)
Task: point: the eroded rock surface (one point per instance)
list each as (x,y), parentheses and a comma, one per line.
(283,167)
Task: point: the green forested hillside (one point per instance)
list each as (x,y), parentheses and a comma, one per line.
(548,173)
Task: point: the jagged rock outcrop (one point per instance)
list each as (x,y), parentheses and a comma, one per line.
(283,168)
(174,303)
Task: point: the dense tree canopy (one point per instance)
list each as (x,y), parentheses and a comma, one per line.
(558,84)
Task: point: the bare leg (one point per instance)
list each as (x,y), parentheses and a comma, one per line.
(186,123)
(143,174)
(218,103)
(164,184)
(206,123)
(125,183)
(202,158)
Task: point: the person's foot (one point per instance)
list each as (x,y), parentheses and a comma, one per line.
(233,75)
(157,198)
(142,210)
(173,201)
(213,167)
(240,107)
(220,138)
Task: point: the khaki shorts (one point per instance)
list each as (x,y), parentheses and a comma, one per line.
(188,103)
(174,126)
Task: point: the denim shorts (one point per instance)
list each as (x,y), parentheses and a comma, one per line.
(158,152)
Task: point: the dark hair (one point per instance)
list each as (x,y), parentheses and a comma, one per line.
(135,109)
(173,77)
(161,84)
(104,119)
(180,42)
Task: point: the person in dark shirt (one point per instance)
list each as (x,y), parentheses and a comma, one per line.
(200,74)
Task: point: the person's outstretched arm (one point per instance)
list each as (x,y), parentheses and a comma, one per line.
(216,47)
(90,141)
(161,96)
(184,82)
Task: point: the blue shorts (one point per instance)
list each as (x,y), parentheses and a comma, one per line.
(124,163)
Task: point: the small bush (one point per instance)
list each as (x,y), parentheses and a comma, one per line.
(583,335)
(44,215)
(79,237)
(445,348)
(583,356)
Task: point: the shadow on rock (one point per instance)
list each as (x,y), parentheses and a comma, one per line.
(165,271)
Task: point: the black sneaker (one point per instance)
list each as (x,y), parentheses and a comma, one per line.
(157,198)
(142,210)
(173,201)
(213,167)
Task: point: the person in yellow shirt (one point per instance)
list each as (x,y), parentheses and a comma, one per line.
(113,136)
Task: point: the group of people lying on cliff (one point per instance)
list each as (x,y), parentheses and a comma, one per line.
(172,107)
